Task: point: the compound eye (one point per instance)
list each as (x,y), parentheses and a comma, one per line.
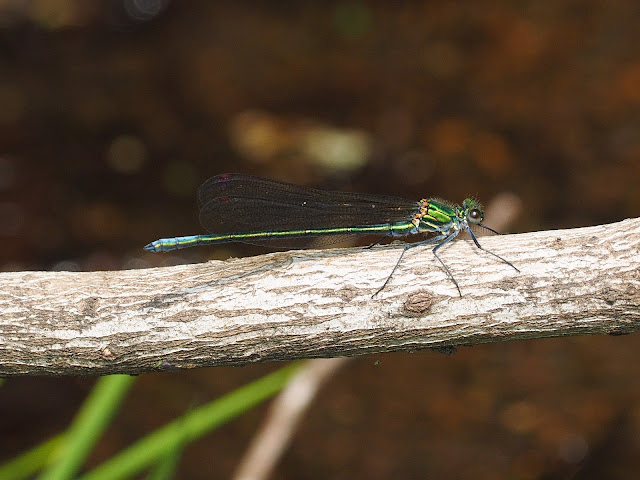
(475,215)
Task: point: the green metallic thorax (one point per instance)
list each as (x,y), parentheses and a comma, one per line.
(437,216)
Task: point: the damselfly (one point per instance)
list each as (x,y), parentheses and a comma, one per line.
(240,208)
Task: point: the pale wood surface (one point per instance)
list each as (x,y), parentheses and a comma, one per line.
(317,303)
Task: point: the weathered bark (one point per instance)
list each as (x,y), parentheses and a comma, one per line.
(312,303)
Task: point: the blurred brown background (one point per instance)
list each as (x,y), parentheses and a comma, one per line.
(113,112)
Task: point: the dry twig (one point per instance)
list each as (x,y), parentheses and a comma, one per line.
(311,303)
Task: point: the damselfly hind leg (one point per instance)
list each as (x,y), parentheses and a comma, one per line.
(377,242)
(407,247)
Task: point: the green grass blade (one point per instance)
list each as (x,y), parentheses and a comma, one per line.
(165,468)
(27,464)
(191,426)
(87,427)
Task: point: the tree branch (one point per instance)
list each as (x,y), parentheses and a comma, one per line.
(317,303)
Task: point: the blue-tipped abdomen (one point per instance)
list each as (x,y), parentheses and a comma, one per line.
(168,244)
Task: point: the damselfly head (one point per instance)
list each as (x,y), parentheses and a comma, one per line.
(473,211)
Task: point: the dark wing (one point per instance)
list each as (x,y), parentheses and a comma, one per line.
(238,185)
(240,204)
